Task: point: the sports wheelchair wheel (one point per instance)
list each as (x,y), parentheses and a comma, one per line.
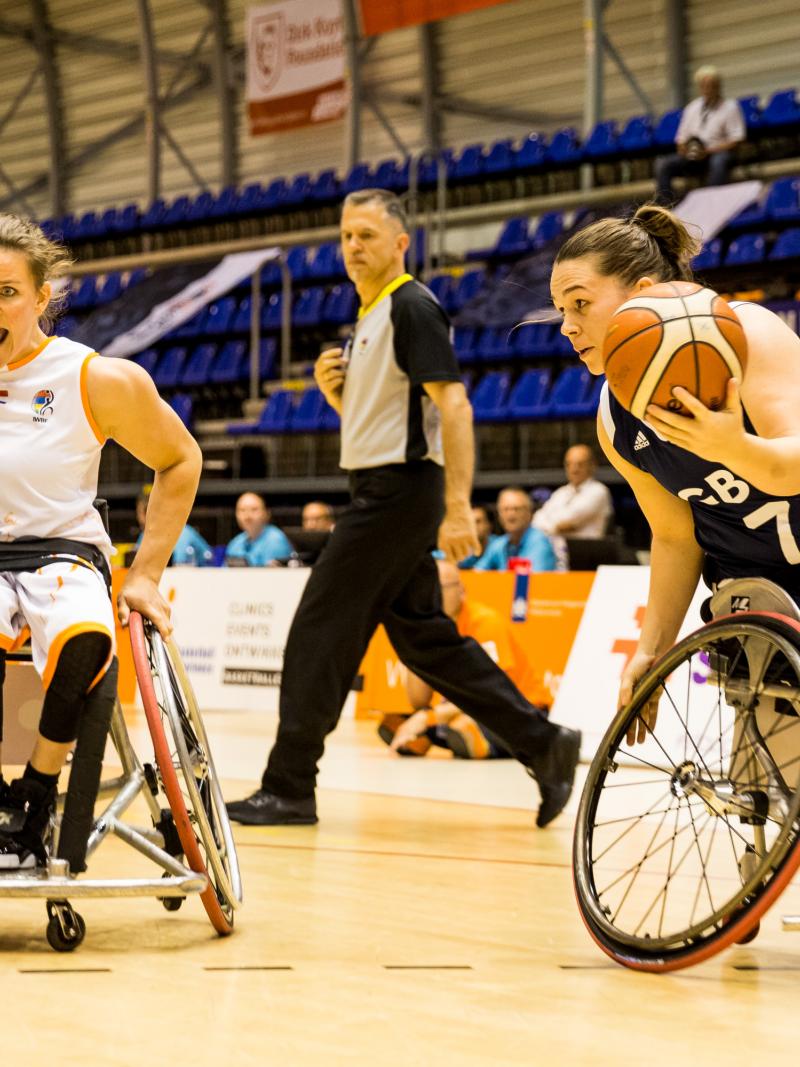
(186,770)
(683,842)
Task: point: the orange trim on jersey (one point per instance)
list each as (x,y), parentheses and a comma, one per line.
(85,400)
(57,646)
(22,637)
(27,359)
(6,643)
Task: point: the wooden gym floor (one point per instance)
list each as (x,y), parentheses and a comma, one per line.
(402,930)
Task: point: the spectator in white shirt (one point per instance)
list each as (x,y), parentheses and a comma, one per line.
(581,508)
(710,129)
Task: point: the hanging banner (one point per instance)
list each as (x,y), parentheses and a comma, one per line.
(168,314)
(380,16)
(295,65)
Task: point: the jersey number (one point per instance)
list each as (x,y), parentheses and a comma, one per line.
(779,511)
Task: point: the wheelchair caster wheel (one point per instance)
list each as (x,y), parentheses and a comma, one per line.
(171,903)
(65,928)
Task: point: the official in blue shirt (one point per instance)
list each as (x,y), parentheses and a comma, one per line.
(520,540)
(259,543)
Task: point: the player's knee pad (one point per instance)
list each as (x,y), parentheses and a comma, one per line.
(81,660)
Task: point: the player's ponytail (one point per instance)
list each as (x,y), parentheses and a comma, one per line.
(47,260)
(676,244)
(654,243)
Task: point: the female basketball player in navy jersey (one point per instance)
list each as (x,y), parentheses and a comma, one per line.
(59,402)
(721,490)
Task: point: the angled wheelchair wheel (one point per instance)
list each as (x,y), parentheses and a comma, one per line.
(186,770)
(683,842)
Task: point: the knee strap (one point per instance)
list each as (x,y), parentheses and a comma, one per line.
(81,660)
(87,765)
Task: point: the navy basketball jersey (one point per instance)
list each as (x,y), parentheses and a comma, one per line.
(745,532)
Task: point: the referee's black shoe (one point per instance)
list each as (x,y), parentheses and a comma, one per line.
(268,809)
(555,774)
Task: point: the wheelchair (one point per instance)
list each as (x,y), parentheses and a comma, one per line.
(683,842)
(188,836)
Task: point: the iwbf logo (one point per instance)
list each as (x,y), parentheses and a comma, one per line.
(267,31)
(42,405)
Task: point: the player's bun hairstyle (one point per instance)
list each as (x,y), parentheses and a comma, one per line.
(47,260)
(653,243)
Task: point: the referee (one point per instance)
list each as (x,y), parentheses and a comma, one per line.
(407,446)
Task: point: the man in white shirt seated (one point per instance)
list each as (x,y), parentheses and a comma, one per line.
(581,508)
(710,129)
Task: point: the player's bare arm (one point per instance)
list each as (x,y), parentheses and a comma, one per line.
(457,536)
(127,407)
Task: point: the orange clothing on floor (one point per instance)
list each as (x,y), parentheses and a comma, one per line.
(496,635)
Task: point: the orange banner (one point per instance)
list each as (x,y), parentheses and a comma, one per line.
(555,607)
(380,16)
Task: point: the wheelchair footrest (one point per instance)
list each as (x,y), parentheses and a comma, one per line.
(40,884)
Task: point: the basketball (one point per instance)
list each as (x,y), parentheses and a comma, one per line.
(673,333)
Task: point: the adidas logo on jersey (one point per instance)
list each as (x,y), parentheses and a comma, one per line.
(640,442)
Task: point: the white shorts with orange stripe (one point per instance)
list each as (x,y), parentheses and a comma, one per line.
(53,604)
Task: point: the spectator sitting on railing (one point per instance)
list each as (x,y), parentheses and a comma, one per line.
(710,129)
(519,540)
(318,515)
(191,549)
(436,721)
(259,543)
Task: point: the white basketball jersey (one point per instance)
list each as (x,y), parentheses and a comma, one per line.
(49,447)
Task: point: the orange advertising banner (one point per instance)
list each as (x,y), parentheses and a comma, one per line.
(380,16)
(555,608)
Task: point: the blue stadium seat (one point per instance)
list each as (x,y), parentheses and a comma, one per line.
(709,256)
(271,276)
(564,149)
(271,311)
(602,142)
(387,175)
(240,323)
(307,310)
(513,239)
(274,196)
(197,368)
(749,248)
(219,317)
(783,202)
(494,344)
(341,305)
(469,163)
(325,187)
(752,216)
(297,262)
(227,367)
(307,416)
(87,227)
(177,212)
(573,393)
(110,289)
(267,357)
(532,153)
(528,398)
(326,261)
(227,203)
(787,245)
(465,343)
(490,397)
(168,371)
(127,220)
(783,109)
(138,274)
(193,327)
(182,405)
(549,226)
(441,285)
(275,416)
(637,135)
(153,217)
(468,287)
(751,111)
(247,202)
(666,128)
(501,158)
(428,169)
(298,190)
(535,339)
(330,421)
(85,296)
(108,222)
(359,177)
(146,360)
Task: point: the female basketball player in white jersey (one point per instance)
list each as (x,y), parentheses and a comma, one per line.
(59,402)
(721,490)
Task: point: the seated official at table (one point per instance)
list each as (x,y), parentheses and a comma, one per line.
(519,539)
(259,543)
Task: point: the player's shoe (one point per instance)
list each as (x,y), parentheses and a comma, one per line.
(26,809)
(465,739)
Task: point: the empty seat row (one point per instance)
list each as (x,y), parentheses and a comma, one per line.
(780,207)
(287,411)
(575,394)
(516,342)
(747,248)
(91,291)
(207,364)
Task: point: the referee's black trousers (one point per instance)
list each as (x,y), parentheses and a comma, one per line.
(377,568)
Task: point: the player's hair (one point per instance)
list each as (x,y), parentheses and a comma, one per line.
(47,260)
(653,243)
(392,204)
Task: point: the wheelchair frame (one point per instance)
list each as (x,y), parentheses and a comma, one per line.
(758,794)
(167,839)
